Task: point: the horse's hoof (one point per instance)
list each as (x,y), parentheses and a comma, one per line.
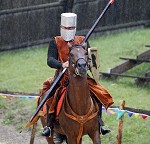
(57,138)
(104,131)
(47,132)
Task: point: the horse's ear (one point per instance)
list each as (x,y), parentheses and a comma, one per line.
(84,45)
(69,45)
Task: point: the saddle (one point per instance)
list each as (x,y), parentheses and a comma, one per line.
(55,102)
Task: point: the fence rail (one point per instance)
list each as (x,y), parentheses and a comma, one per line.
(28,23)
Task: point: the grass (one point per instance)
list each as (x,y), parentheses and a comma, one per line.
(25,70)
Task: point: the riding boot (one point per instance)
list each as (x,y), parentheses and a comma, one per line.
(101,123)
(48,130)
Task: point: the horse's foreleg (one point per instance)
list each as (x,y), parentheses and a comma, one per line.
(70,141)
(73,141)
(95,137)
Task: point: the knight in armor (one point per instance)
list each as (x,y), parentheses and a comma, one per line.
(57,58)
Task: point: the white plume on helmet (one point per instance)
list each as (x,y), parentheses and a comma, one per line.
(68,26)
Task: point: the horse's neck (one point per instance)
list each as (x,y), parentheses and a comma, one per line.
(78,94)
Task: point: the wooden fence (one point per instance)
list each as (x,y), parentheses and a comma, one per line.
(26,23)
(127,65)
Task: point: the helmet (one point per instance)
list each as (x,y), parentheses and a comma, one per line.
(68,26)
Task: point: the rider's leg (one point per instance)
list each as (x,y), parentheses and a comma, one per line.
(101,123)
(48,130)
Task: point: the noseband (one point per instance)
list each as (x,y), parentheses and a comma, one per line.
(75,65)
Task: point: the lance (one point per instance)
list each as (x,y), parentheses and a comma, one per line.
(34,118)
(97,21)
(48,93)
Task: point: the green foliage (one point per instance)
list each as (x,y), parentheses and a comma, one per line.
(25,70)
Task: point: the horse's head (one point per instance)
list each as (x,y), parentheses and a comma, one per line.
(78,59)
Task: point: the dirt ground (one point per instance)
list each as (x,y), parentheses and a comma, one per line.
(9,135)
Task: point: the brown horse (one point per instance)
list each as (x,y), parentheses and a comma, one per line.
(79,113)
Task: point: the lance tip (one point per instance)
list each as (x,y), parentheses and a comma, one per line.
(111,1)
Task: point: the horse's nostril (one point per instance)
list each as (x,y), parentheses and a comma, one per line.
(83,65)
(79,65)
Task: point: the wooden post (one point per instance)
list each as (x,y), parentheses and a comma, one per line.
(120,124)
(93,55)
(33,133)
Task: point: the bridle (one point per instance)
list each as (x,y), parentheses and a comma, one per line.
(76,64)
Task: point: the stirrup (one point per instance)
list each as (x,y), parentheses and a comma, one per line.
(104,131)
(47,131)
